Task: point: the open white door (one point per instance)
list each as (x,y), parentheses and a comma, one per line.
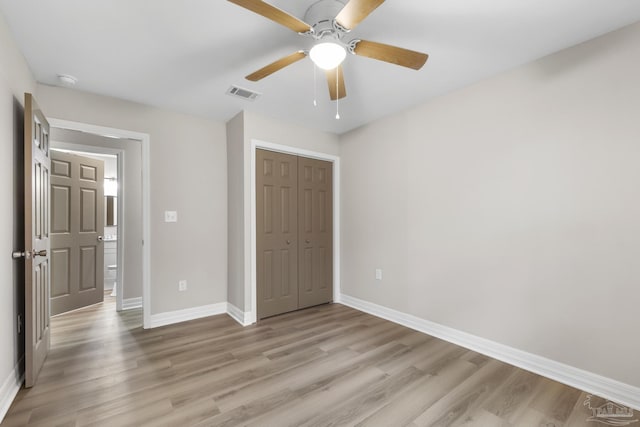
(36,251)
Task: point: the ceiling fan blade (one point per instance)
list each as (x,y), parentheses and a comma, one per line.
(355,11)
(275,66)
(271,12)
(336,91)
(395,55)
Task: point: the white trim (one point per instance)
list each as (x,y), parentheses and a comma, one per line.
(238,315)
(131,303)
(120,233)
(607,388)
(146,233)
(177,316)
(146,202)
(255,143)
(10,388)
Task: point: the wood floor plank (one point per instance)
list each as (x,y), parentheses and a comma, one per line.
(367,401)
(237,396)
(483,418)
(192,412)
(321,399)
(534,418)
(403,408)
(240,415)
(514,396)
(422,354)
(555,400)
(466,396)
(327,365)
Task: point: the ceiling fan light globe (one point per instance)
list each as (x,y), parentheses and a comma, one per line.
(327,55)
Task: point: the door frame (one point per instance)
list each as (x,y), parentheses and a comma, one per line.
(145,140)
(286,149)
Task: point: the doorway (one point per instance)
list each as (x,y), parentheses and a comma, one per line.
(132,266)
(297,249)
(113,188)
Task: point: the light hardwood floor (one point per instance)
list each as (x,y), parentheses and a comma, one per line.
(325,366)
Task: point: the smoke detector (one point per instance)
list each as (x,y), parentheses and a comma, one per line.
(67,80)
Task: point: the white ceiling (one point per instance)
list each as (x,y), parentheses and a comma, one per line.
(182,55)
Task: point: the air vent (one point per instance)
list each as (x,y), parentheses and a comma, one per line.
(243,93)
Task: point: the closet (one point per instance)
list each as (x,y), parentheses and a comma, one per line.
(294,232)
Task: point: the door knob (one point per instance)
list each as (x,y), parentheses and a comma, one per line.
(307,241)
(288,242)
(100,239)
(27,254)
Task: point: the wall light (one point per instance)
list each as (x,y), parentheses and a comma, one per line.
(110,187)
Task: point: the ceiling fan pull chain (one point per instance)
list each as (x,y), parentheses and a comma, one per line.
(337,94)
(315,86)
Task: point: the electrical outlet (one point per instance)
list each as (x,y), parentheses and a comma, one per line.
(182,285)
(378,274)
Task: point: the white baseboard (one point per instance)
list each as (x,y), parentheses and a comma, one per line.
(131,303)
(171,317)
(238,315)
(9,389)
(607,388)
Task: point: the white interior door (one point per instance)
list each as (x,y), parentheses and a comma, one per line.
(36,253)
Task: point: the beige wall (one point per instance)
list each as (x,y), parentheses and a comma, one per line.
(132,226)
(278,132)
(15,79)
(244,128)
(188,174)
(509,209)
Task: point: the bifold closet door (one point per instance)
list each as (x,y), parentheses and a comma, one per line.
(294,232)
(276,233)
(315,227)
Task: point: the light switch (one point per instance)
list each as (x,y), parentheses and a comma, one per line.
(170,216)
(378,274)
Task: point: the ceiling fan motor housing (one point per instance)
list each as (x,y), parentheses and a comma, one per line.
(321,16)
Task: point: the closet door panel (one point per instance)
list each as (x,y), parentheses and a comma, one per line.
(276,233)
(315,240)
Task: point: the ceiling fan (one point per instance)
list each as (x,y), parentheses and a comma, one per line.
(330,21)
